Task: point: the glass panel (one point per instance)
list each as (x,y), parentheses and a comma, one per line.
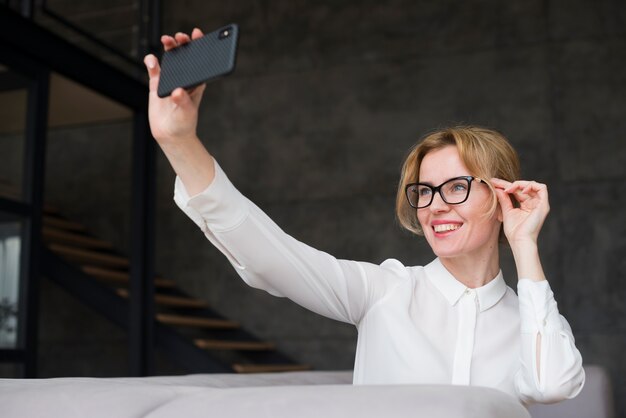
(89,139)
(13,98)
(74,105)
(10,248)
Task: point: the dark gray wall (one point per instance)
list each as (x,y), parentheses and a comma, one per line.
(327,98)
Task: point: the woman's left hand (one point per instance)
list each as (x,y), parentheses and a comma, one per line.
(522,224)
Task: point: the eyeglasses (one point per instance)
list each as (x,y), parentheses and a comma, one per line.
(453,191)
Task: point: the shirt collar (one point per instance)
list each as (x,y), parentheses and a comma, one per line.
(452,289)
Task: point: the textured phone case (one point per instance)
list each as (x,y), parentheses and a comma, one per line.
(198,61)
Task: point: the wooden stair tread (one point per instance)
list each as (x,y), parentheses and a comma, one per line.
(60,223)
(193,321)
(51,210)
(106,274)
(269,368)
(93,257)
(233,345)
(121,276)
(9,191)
(170,300)
(61,236)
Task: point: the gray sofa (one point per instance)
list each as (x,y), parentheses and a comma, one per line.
(594,401)
(294,394)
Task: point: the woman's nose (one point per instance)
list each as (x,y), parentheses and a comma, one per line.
(438,204)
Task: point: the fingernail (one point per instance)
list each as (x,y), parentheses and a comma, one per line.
(150,62)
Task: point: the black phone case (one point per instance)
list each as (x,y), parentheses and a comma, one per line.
(198,61)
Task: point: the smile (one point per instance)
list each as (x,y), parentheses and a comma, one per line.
(446,227)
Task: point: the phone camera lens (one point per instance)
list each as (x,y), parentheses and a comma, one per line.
(224,33)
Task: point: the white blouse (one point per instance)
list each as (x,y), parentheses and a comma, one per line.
(415,324)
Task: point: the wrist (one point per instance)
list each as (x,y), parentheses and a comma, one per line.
(177,143)
(192,163)
(527,261)
(524,246)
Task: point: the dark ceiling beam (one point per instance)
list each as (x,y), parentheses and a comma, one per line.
(47,48)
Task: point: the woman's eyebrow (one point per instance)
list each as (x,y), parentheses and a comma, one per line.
(430,183)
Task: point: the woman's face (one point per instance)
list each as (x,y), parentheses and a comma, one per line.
(462,229)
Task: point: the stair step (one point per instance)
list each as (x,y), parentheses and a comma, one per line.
(269,368)
(51,210)
(60,223)
(122,276)
(59,236)
(194,321)
(91,257)
(9,191)
(169,300)
(234,345)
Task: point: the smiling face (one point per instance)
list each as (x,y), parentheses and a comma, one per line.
(460,230)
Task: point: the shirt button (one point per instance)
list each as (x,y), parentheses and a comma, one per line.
(544,322)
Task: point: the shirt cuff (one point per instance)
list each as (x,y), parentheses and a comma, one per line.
(219,207)
(538,309)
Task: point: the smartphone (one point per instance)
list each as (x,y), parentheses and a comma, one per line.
(199,60)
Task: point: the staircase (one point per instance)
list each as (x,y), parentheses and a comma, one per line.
(185,328)
(182,320)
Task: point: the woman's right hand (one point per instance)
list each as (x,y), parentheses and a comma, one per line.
(173,118)
(173,122)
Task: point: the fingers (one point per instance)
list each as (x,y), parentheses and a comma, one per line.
(519,186)
(196,33)
(154,70)
(171,42)
(504,199)
(525,186)
(499,183)
(529,194)
(168,42)
(181,98)
(526,190)
(180,38)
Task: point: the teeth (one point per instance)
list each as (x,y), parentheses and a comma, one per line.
(446,227)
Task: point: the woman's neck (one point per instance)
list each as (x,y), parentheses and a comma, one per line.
(474,270)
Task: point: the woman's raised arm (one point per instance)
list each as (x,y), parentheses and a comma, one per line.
(523,224)
(173,122)
(551,364)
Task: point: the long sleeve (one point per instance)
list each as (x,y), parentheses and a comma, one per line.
(267,258)
(560,374)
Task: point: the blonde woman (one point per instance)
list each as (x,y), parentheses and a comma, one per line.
(453,321)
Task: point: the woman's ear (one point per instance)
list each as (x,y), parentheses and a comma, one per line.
(499,213)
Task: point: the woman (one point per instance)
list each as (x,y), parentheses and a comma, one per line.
(453,321)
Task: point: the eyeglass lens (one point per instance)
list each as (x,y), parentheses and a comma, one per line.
(453,191)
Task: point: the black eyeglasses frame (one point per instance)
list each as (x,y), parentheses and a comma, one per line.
(437,189)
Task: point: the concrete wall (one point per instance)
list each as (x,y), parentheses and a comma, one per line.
(328,96)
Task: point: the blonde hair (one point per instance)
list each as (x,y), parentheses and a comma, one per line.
(485,152)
